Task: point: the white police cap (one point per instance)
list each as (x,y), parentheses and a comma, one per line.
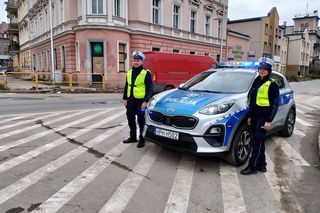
(265,62)
(138,55)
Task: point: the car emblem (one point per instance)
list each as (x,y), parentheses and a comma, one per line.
(170,109)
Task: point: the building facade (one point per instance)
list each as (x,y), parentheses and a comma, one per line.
(238,46)
(96,36)
(265,36)
(5,59)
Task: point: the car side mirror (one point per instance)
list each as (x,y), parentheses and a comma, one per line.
(181,85)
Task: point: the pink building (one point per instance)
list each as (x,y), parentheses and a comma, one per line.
(97,36)
(238,46)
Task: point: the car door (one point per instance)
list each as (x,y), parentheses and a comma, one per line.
(281,113)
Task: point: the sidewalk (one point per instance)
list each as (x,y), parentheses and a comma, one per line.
(16,85)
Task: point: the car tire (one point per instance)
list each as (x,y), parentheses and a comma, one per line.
(288,126)
(241,146)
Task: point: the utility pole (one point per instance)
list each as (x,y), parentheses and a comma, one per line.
(51,35)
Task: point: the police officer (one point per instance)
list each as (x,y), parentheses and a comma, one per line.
(137,92)
(263,100)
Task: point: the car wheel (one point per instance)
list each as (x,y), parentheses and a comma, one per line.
(241,146)
(288,126)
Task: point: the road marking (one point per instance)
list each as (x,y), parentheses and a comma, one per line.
(125,191)
(56,201)
(8,134)
(300,111)
(231,191)
(315,106)
(22,158)
(280,188)
(298,132)
(303,123)
(179,196)
(50,131)
(27,181)
(16,118)
(305,107)
(292,154)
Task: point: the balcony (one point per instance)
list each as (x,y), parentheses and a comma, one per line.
(14,47)
(13,28)
(12,5)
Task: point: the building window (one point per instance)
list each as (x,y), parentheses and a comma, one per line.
(53,17)
(117,7)
(207,25)
(122,57)
(48,59)
(55,58)
(176,16)
(266,29)
(220,29)
(63,58)
(77,56)
(156,11)
(158,49)
(193,17)
(175,50)
(192,52)
(206,53)
(61,11)
(97,6)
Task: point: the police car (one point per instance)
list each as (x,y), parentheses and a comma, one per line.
(207,114)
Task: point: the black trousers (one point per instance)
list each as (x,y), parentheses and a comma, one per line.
(133,111)
(258,156)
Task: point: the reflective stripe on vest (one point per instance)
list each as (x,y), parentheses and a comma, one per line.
(263,94)
(139,87)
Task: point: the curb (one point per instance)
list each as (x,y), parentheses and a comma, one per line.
(319,145)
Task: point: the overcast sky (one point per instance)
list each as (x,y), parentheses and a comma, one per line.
(242,9)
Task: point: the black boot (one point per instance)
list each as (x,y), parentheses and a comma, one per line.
(248,171)
(130,140)
(262,169)
(141,143)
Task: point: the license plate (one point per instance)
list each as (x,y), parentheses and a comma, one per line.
(167,134)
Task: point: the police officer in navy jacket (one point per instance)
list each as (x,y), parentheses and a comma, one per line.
(263,100)
(137,92)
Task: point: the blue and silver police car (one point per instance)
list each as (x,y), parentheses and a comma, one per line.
(207,114)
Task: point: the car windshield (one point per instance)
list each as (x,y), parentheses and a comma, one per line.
(221,82)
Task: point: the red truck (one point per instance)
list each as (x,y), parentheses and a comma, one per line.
(171,69)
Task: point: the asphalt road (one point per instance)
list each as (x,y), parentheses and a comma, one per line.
(63,153)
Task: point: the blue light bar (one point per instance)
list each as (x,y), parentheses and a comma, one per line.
(241,64)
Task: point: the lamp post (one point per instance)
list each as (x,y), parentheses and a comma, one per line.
(51,38)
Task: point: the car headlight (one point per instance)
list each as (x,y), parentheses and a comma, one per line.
(216,108)
(152,102)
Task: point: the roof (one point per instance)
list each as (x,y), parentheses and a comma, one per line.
(245,20)
(231,31)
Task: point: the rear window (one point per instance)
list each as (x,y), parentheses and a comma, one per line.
(221,82)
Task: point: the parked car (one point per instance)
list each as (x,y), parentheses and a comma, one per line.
(171,69)
(207,115)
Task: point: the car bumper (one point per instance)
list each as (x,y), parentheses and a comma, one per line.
(195,144)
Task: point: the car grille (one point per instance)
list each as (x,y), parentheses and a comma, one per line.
(176,121)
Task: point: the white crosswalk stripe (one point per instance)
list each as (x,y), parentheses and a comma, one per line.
(177,198)
(125,191)
(27,181)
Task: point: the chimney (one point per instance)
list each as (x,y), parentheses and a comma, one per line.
(284,23)
(315,12)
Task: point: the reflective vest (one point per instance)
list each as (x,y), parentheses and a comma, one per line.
(263,94)
(139,87)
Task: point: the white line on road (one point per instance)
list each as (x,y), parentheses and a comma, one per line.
(231,191)
(50,131)
(17,131)
(180,192)
(56,201)
(298,132)
(279,186)
(125,191)
(27,181)
(303,123)
(292,154)
(305,107)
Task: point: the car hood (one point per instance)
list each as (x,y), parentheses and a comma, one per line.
(184,102)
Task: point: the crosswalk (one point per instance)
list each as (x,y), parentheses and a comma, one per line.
(74,161)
